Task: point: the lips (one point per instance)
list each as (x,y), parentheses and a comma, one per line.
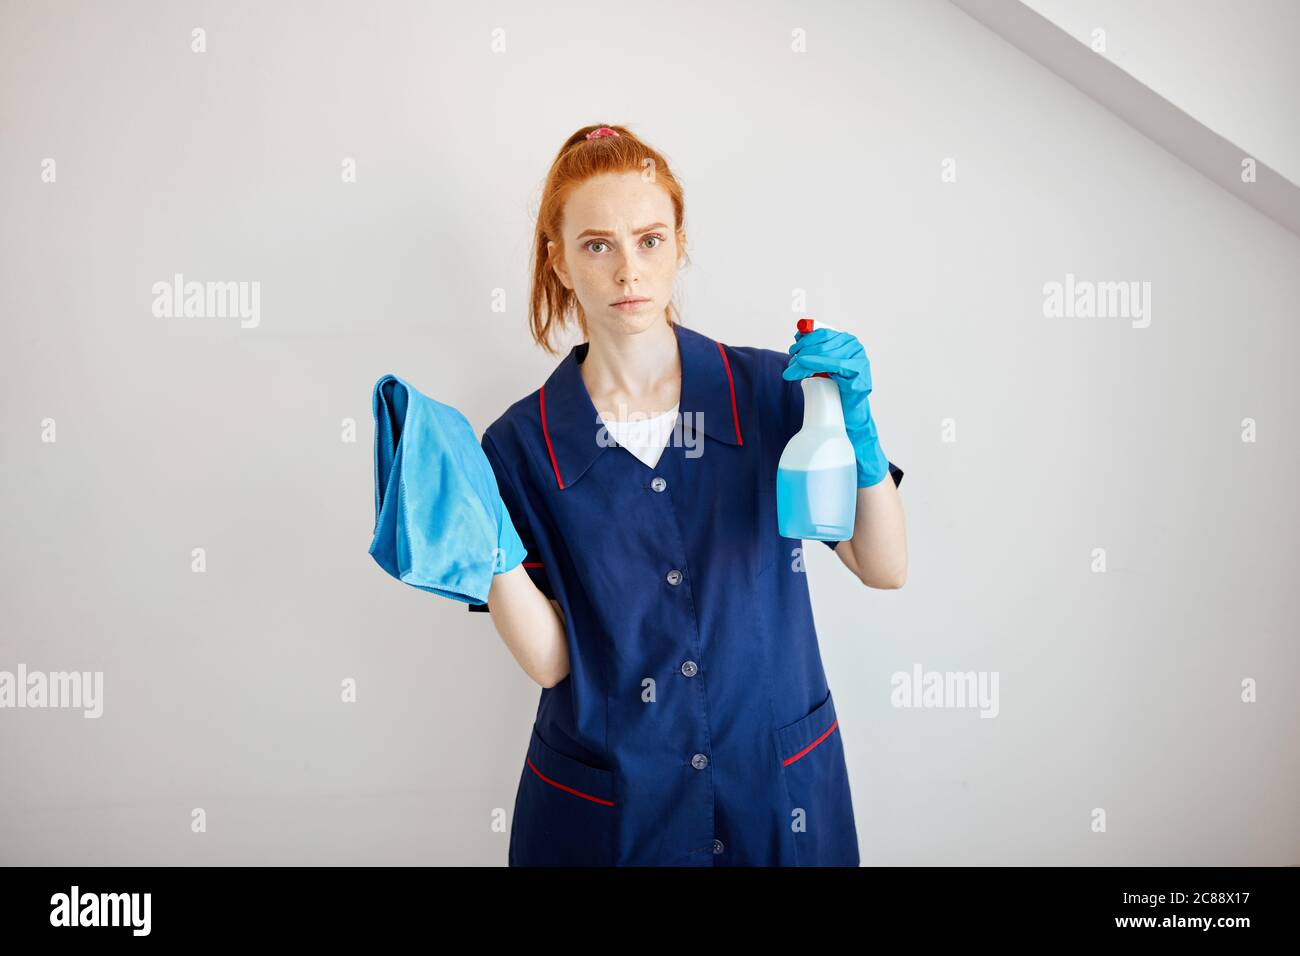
(631,301)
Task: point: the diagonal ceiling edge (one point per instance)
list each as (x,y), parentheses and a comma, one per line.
(1214,157)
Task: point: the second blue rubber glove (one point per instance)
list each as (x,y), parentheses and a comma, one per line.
(841,355)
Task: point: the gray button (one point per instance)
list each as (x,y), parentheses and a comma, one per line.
(717,846)
(674,576)
(690,669)
(658,484)
(699,761)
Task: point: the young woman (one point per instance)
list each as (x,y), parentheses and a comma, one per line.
(685,718)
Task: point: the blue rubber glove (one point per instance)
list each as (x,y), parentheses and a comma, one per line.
(440,523)
(841,355)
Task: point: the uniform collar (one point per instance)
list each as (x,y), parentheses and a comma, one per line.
(570,425)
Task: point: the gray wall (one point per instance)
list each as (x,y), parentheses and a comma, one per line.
(1232,64)
(818,171)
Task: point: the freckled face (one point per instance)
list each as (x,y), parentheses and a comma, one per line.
(619,241)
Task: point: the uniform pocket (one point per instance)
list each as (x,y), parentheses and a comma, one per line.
(565,811)
(820,813)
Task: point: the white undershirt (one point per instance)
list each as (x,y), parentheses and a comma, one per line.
(644,437)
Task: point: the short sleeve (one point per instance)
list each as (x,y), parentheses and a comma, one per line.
(518,515)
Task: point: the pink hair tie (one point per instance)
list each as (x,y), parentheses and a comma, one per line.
(603,131)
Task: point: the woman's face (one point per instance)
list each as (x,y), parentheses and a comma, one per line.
(619,241)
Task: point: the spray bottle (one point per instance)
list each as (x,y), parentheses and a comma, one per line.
(816,479)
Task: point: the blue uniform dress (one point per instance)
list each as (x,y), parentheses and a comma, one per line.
(695,727)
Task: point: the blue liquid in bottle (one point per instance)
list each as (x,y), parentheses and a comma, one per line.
(818,505)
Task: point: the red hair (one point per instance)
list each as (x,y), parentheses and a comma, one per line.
(578,160)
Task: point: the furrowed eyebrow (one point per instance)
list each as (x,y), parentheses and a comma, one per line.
(610,232)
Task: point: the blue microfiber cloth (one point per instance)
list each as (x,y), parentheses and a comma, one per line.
(440,523)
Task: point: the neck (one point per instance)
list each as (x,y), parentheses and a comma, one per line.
(640,371)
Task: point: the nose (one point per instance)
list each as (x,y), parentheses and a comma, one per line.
(627,271)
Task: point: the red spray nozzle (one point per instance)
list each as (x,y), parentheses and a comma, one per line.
(805,326)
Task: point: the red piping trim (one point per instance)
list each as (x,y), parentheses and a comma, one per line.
(585,796)
(532,564)
(541,397)
(790,760)
(732,385)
